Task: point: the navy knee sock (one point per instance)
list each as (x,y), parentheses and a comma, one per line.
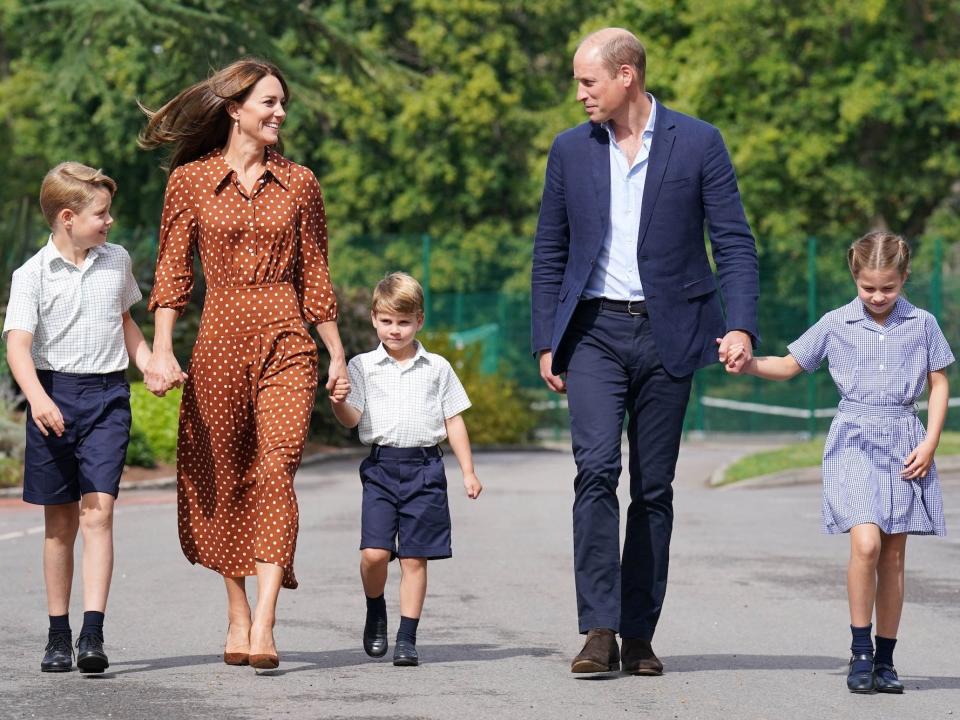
(376,608)
(861,644)
(92,623)
(59,624)
(885,650)
(408,629)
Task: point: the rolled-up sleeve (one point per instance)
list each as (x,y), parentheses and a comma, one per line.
(173,279)
(22,313)
(313,274)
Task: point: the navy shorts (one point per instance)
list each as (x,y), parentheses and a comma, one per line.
(90,454)
(405,506)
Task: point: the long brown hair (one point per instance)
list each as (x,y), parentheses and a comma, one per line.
(196,120)
(879,250)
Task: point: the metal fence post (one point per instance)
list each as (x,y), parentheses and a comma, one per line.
(811,319)
(425,258)
(936,279)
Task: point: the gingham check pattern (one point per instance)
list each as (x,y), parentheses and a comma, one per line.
(74,313)
(880,371)
(404,406)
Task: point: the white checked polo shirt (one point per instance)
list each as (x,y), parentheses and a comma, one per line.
(404,406)
(74,313)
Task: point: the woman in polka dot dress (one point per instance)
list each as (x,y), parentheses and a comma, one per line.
(257,221)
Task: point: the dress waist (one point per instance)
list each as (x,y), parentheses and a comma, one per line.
(249,308)
(849,407)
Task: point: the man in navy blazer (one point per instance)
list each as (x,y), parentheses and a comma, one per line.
(625,308)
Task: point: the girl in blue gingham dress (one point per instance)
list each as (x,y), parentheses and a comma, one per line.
(880,483)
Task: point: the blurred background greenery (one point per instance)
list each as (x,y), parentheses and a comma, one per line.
(428,123)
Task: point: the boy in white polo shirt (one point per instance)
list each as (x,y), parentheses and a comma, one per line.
(69,337)
(405,400)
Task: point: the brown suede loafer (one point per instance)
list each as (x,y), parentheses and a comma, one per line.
(639,659)
(600,653)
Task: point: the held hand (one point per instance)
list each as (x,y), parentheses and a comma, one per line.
(918,462)
(735,363)
(162,373)
(472,484)
(336,372)
(554,382)
(47,415)
(341,390)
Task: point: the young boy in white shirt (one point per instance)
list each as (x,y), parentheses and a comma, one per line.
(406,401)
(69,339)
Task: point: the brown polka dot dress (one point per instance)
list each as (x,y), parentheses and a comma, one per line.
(253,372)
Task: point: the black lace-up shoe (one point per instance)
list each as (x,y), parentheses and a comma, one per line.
(58,655)
(90,655)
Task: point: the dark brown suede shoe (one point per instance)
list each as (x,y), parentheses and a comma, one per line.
(638,658)
(600,653)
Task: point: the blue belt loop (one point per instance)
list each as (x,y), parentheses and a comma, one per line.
(376,452)
(426,455)
(440,450)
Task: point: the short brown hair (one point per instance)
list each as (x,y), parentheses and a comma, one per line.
(879,250)
(71,185)
(621,48)
(398,293)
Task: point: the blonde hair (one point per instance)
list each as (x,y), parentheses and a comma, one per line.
(72,186)
(398,293)
(879,250)
(621,48)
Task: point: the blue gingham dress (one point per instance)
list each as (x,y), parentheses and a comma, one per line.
(880,372)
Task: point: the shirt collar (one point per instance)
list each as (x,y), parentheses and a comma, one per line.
(380,355)
(52,255)
(648,128)
(277,166)
(902,310)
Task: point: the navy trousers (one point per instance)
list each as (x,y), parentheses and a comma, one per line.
(614,371)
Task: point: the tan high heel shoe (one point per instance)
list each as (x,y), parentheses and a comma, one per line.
(235,658)
(264,661)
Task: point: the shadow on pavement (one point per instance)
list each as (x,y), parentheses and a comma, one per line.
(343,658)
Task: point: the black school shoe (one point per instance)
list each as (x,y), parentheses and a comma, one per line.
(405,654)
(90,655)
(859,680)
(58,655)
(375,637)
(885,679)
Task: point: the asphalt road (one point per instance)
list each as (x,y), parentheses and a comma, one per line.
(755,623)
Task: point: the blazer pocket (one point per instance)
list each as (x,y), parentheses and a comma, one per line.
(676,182)
(696,288)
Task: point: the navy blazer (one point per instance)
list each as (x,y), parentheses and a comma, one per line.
(690,180)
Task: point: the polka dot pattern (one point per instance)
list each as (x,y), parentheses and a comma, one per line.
(253,372)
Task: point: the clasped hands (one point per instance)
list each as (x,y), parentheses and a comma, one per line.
(736,351)
(163,373)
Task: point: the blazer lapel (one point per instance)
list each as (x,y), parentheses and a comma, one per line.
(600,167)
(664,135)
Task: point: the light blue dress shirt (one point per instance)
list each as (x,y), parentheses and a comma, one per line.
(615,274)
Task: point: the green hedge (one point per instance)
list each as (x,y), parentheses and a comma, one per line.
(153,436)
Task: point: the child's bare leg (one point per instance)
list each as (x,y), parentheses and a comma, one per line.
(96,525)
(60,533)
(413,586)
(269,579)
(238,616)
(890,584)
(862,573)
(373,570)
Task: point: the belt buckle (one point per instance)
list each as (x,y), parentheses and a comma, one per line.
(630,308)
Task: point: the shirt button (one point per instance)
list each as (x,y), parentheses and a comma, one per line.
(881,367)
(881,337)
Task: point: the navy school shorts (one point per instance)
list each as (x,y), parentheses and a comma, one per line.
(90,454)
(405,506)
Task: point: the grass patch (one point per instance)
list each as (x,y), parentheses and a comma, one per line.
(805,454)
